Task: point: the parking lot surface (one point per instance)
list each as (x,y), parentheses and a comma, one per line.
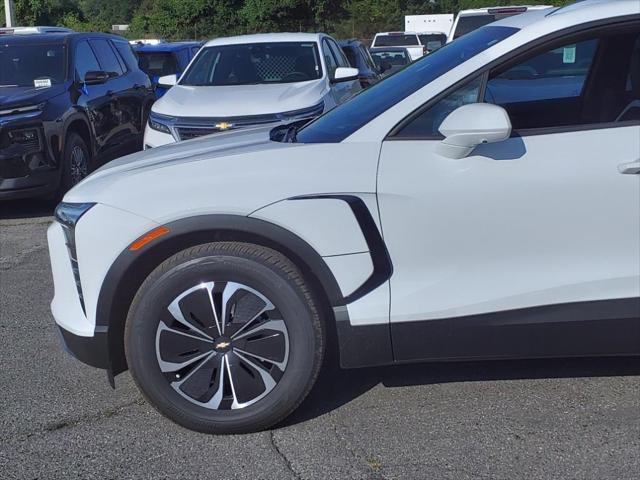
(576,418)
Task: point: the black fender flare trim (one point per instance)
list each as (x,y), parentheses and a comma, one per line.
(129,270)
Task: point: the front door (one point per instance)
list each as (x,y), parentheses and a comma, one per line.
(531,246)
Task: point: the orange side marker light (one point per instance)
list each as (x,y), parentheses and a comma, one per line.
(147,238)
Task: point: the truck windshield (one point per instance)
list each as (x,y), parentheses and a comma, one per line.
(342,121)
(32,65)
(254,64)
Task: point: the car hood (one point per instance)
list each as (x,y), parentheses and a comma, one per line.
(233,172)
(240,100)
(15,97)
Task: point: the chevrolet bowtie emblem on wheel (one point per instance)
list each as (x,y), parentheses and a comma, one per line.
(223,125)
(223,344)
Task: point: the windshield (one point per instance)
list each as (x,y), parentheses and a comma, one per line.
(32,65)
(396,40)
(158,64)
(342,121)
(254,64)
(433,41)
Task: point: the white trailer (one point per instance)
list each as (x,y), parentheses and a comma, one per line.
(440,23)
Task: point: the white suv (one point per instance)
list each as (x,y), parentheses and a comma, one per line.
(480,203)
(239,82)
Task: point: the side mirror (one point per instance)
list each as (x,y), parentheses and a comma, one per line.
(97,77)
(345,74)
(471,125)
(168,81)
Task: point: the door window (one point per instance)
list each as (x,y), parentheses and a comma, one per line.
(426,124)
(107,57)
(85,60)
(572,84)
(329,59)
(126,53)
(341,59)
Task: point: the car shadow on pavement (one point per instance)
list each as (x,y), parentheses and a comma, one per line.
(19,209)
(336,387)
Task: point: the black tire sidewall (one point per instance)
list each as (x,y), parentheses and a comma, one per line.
(159,292)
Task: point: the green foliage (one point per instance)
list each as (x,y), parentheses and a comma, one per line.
(182,19)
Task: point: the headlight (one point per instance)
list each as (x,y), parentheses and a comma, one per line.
(160,123)
(68,214)
(309,112)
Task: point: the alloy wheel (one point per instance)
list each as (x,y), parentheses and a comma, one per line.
(79,166)
(222,345)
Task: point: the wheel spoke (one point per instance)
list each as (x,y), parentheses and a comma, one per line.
(245,386)
(192,348)
(176,311)
(198,382)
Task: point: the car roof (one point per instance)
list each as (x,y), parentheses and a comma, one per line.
(267,38)
(397,33)
(58,37)
(351,42)
(504,8)
(166,47)
(578,12)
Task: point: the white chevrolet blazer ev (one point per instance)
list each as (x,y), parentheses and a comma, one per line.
(482,203)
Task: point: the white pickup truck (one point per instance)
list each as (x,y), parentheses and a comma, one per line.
(408,40)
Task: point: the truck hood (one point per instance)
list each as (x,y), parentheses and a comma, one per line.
(240,100)
(16,97)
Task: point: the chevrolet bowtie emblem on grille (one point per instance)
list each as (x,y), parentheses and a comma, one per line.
(223,344)
(223,125)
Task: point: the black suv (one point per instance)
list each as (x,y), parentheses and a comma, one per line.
(68,103)
(359,58)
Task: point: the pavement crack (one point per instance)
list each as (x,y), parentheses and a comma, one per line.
(74,422)
(274,444)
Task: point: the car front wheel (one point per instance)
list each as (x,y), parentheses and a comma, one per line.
(225,338)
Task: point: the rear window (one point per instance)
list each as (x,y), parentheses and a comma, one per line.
(158,64)
(396,40)
(433,41)
(471,23)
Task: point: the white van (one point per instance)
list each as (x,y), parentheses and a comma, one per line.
(469,20)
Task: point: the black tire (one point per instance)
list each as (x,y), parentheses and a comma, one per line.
(229,264)
(72,173)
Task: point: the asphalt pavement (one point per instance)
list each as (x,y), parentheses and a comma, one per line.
(551,419)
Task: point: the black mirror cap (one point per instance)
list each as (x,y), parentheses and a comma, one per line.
(95,77)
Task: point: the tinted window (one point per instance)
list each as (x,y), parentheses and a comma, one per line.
(564,86)
(254,63)
(558,73)
(338,54)
(471,23)
(106,57)
(351,56)
(433,41)
(391,57)
(342,121)
(21,65)
(396,40)
(158,64)
(428,123)
(329,58)
(126,52)
(85,60)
